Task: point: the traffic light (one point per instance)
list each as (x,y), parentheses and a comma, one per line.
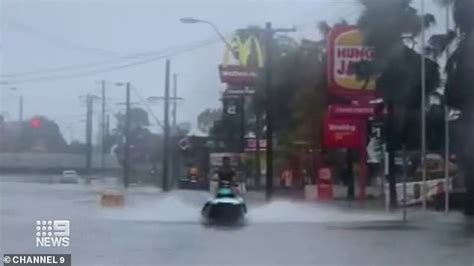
(35,123)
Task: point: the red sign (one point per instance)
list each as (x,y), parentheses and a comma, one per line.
(236,75)
(340,110)
(345,49)
(343,132)
(35,123)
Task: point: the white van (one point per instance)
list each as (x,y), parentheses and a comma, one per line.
(70,176)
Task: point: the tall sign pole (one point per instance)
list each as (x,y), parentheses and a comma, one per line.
(269,110)
(258,171)
(166,129)
(242,123)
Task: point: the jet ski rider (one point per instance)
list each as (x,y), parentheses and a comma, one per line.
(225,172)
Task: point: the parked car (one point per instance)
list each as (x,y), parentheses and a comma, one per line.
(70,176)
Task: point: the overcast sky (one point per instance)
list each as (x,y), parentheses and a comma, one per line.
(39,35)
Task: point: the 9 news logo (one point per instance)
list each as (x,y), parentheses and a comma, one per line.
(52,233)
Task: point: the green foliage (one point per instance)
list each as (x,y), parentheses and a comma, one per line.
(397,65)
(21,137)
(459,89)
(138,118)
(299,95)
(206,119)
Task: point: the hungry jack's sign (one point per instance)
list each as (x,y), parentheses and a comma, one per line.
(345,50)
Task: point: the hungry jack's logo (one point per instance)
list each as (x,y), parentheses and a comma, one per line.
(348,50)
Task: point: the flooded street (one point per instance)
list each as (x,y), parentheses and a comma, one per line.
(166,229)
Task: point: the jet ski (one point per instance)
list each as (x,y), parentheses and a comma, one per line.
(225,207)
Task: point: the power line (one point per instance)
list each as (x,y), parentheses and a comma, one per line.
(95,63)
(108,69)
(58,40)
(64,68)
(148,55)
(71,45)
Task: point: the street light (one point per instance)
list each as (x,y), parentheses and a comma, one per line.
(190,20)
(126,166)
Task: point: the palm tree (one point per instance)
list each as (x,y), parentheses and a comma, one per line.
(391,28)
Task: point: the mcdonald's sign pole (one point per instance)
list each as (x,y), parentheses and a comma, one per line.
(269,32)
(269,111)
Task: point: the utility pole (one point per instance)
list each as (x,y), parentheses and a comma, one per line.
(258,170)
(175,96)
(107,126)
(20,111)
(422,108)
(242,123)
(446,132)
(174,155)
(166,129)
(269,110)
(269,32)
(89,111)
(103,137)
(126,163)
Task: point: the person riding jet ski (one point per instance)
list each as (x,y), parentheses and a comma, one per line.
(224,176)
(226,206)
(226,173)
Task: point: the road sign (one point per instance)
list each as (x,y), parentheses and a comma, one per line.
(239,90)
(184,143)
(375,142)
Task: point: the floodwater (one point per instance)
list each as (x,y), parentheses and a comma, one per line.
(165,229)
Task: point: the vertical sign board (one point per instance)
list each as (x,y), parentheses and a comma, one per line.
(345,49)
(348,133)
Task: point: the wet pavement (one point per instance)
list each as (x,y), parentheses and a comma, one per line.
(165,229)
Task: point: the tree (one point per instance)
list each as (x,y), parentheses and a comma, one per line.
(138,118)
(140,137)
(206,119)
(397,66)
(43,136)
(299,89)
(459,91)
